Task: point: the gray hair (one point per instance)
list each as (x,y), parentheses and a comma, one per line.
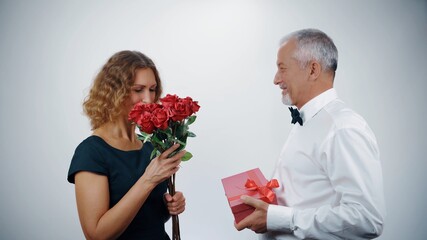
(313,44)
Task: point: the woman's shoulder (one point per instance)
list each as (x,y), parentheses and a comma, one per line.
(92,146)
(96,144)
(88,156)
(90,143)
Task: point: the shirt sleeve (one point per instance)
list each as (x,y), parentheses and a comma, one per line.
(350,158)
(279,218)
(86,158)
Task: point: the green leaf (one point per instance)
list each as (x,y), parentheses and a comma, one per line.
(156,140)
(180,142)
(191,134)
(187,156)
(167,131)
(154,154)
(181,130)
(183,138)
(161,135)
(191,119)
(145,137)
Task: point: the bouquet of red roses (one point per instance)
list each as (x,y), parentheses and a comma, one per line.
(164,125)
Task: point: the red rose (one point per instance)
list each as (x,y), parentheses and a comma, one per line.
(160,118)
(194,106)
(169,100)
(136,112)
(153,116)
(145,122)
(150,107)
(140,108)
(180,111)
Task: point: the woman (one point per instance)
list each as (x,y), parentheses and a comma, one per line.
(121,193)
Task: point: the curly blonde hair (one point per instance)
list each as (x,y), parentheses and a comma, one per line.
(112,86)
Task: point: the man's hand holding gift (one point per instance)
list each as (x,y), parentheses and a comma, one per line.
(256,221)
(249,195)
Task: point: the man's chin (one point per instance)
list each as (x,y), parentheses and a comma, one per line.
(287,100)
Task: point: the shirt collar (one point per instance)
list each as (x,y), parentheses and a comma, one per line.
(312,107)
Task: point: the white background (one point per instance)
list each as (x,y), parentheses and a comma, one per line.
(223,54)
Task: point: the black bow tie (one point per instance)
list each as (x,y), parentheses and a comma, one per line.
(295,116)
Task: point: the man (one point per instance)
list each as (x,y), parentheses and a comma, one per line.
(329,169)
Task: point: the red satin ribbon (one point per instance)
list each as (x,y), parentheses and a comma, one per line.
(263,190)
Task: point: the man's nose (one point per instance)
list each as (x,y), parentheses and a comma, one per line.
(276,79)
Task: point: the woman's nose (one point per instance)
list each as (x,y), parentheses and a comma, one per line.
(146,98)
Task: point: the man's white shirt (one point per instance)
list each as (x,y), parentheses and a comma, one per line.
(331,184)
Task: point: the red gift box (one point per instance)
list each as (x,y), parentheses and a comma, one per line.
(251,183)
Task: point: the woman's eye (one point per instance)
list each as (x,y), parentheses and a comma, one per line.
(139,90)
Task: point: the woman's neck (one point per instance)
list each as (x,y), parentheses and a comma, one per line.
(119,134)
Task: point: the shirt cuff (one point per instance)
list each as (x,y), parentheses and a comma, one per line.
(279,218)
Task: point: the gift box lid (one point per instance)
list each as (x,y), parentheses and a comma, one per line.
(234,187)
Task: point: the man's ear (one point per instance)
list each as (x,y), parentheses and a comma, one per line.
(315,70)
